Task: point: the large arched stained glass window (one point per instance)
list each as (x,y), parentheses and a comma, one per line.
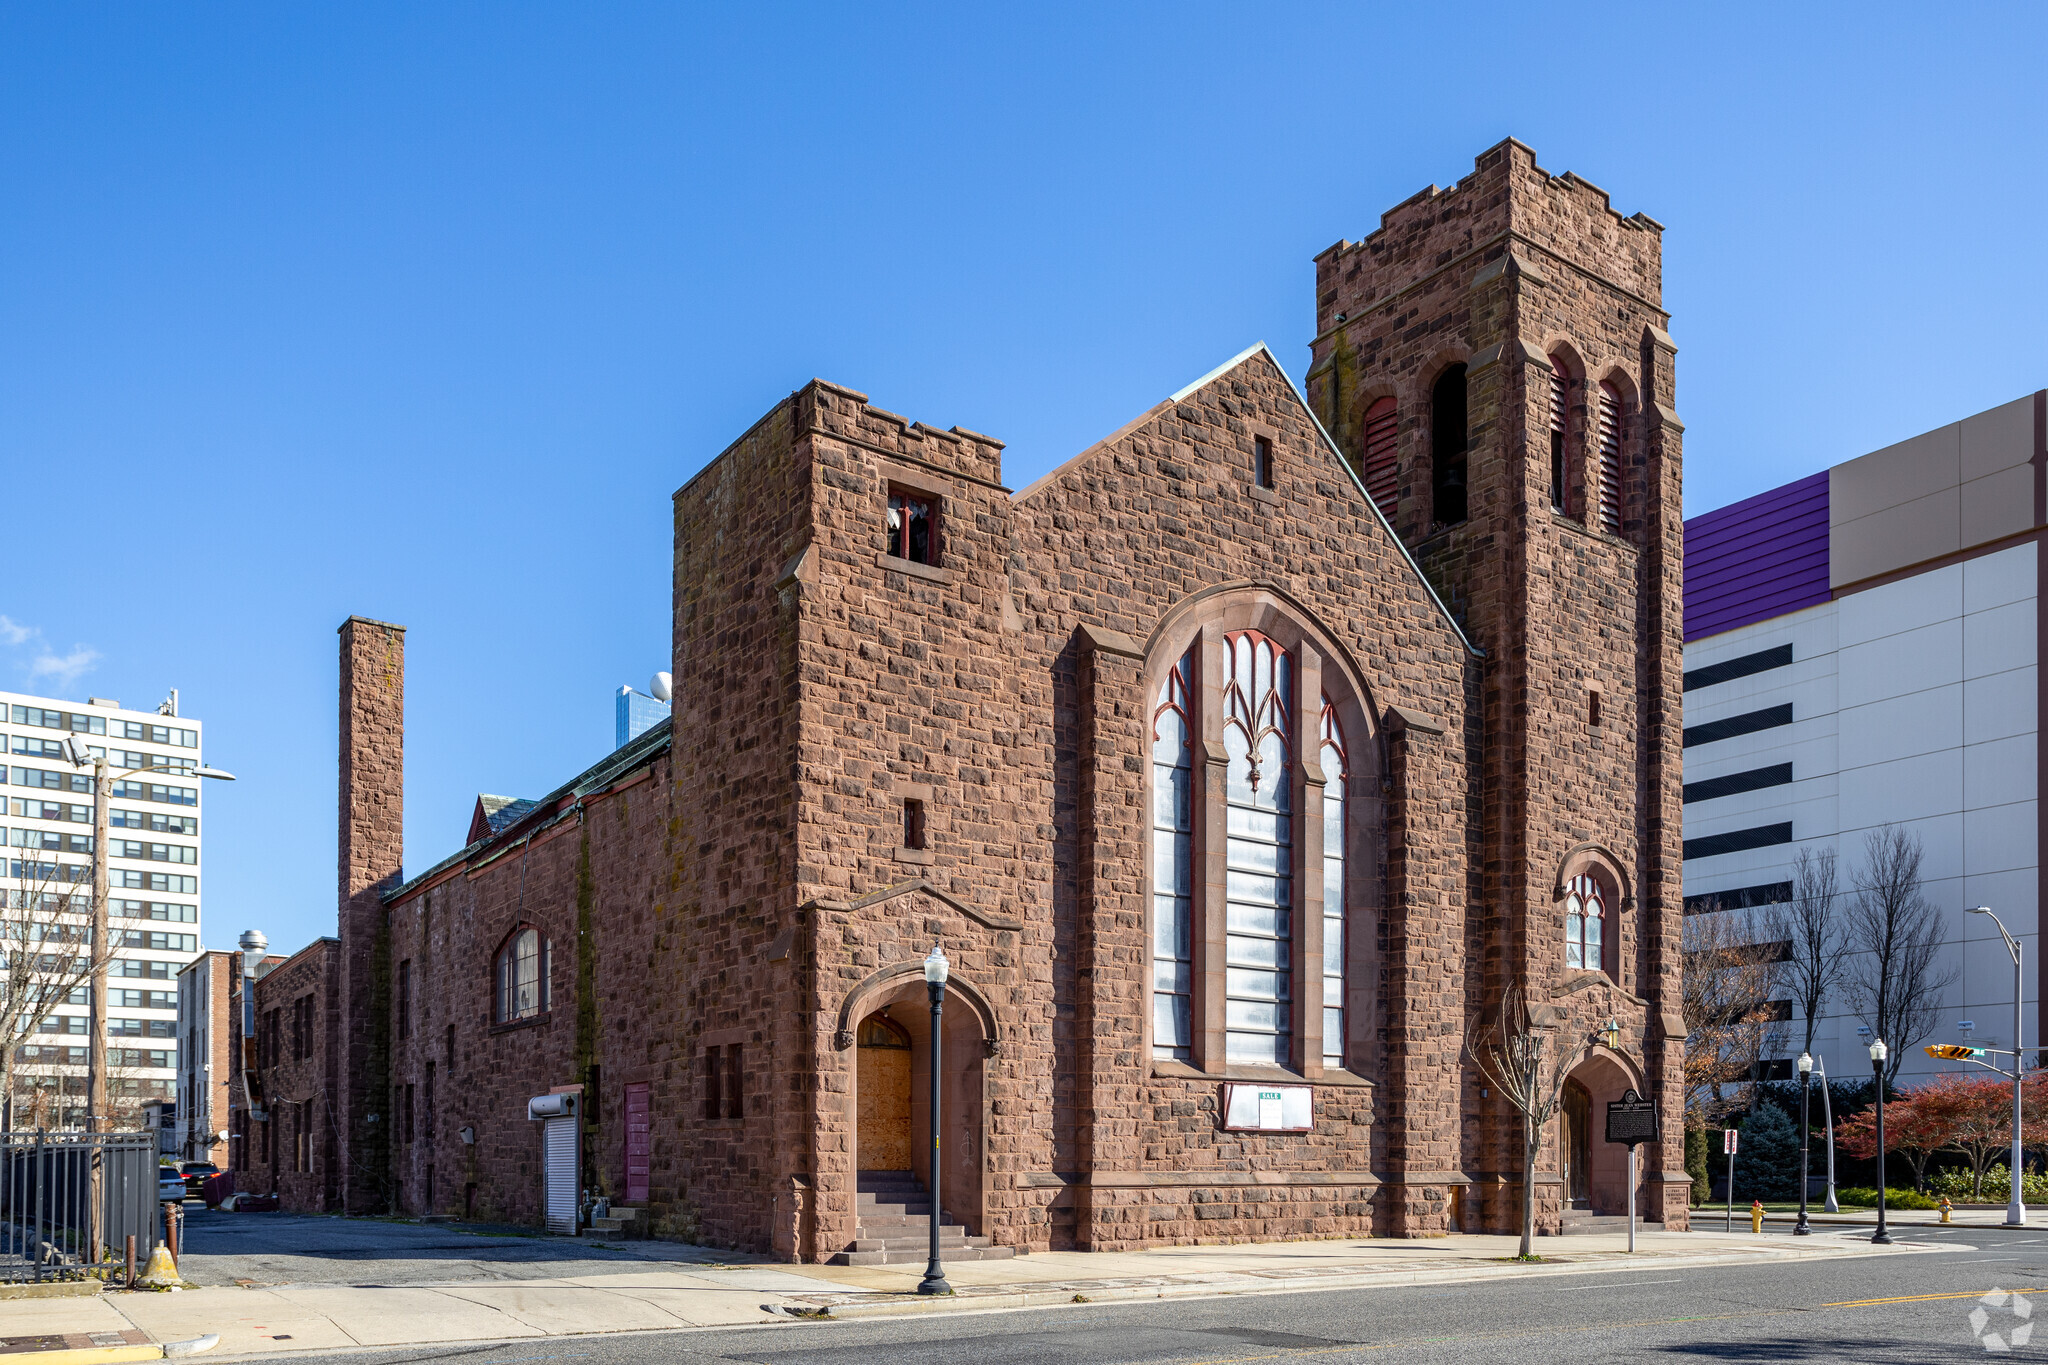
(1336,770)
(1259,851)
(1585,924)
(1173,966)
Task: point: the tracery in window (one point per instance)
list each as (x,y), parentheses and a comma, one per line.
(522,971)
(1259,848)
(1336,771)
(1173,966)
(1585,924)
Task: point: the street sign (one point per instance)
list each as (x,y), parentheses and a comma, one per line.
(1728,1137)
(1631,1119)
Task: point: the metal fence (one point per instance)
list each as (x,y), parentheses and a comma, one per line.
(47,1185)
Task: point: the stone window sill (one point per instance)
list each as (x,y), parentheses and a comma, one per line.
(912,568)
(920,856)
(1266,495)
(529,1022)
(1165,1069)
(1572,523)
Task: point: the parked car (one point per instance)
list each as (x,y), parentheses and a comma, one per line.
(196,1173)
(170,1185)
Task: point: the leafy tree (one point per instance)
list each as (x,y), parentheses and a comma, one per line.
(1914,1130)
(1767,1160)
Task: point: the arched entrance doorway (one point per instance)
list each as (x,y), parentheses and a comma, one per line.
(883,1124)
(1595,1170)
(1575,1145)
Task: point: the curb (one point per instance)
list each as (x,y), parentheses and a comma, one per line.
(911,1304)
(115,1355)
(51,1289)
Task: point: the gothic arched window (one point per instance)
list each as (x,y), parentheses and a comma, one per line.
(1259,851)
(1449,434)
(1585,924)
(1173,965)
(1336,770)
(522,972)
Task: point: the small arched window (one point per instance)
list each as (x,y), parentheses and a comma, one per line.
(1560,386)
(1382,449)
(1610,458)
(1448,436)
(522,968)
(1585,924)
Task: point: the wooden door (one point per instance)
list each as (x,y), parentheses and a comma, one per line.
(638,1142)
(1577,1146)
(883,1076)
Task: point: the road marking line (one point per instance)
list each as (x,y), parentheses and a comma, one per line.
(1580,1289)
(1986,1260)
(1922,1298)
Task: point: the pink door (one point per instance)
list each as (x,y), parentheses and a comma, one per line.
(637,1142)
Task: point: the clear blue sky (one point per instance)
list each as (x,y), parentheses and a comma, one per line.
(423,311)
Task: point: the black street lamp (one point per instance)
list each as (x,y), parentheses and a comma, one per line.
(1877,1051)
(934,1281)
(1802,1228)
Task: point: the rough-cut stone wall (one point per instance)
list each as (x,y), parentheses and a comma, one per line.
(743,894)
(1122,556)
(294,1081)
(1499,273)
(370,850)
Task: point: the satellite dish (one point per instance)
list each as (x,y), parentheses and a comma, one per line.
(662,687)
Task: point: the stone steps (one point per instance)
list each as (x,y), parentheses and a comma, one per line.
(619,1225)
(893,1227)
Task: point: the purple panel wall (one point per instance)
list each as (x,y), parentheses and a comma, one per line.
(1758,558)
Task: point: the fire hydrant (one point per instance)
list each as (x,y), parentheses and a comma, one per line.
(1756,1215)
(1946,1209)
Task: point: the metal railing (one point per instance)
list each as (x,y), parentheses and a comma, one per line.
(47,1182)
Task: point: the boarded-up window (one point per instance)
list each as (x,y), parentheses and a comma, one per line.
(1382,453)
(639,1142)
(1610,459)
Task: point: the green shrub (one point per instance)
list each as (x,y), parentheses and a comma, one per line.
(1955,1183)
(1865,1197)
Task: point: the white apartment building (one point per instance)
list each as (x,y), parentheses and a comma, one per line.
(154,838)
(1863,649)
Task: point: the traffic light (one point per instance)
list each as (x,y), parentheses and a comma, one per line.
(1955,1052)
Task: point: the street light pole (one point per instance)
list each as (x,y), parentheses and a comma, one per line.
(935,967)
(1877,1054)
(1802,1228)
(1827,1118)
(2015,1207)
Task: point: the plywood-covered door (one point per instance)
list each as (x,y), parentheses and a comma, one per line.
(639,1142)
(884,1080)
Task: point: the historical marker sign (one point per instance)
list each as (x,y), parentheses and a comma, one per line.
(1631,1119)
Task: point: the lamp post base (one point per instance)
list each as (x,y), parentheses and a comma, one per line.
(1802,1228)
(2015,1215)
(1883,1238)
(933,1282)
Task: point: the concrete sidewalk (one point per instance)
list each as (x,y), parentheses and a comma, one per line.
(651,1296)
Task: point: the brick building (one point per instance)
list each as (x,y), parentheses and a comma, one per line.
(206,1057)
(295,1137)
(1237,765)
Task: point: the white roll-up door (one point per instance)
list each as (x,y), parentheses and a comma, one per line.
(558,1171)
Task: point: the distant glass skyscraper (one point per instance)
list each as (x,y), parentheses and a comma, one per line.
(636,714)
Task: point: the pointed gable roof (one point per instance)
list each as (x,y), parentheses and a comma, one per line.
(1329,447)
(495,813)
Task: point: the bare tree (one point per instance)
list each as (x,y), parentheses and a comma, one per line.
(1508,1046)
(1898,978)
(1815,936)
(1726,999)
(46,953)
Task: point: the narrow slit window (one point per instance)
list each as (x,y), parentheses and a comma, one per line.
(913,824)
(1610,459)
(913,528)
(1262,462)
(1593,708)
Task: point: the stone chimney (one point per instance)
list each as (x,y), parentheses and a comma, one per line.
(371,850)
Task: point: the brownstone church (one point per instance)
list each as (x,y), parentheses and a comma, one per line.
(1237,765)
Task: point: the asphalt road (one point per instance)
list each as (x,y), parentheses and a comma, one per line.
(1905,1308)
